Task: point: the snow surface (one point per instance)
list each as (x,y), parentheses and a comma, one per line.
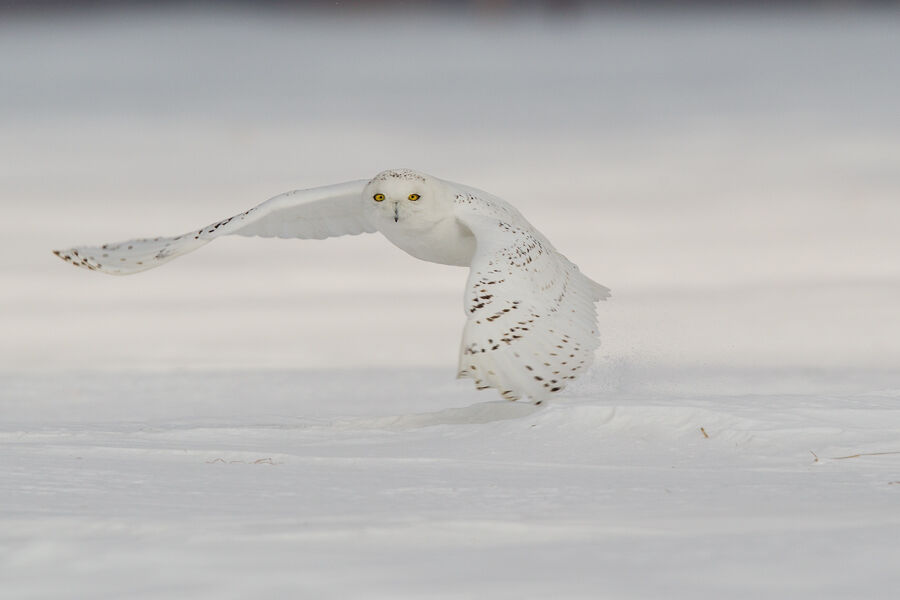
(345,484)
(267,419)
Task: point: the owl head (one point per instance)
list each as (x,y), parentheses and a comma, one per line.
(406,198)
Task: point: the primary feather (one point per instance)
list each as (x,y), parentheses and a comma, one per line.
(317,213)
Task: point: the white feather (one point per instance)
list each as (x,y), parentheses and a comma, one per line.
(532,322)
(316,213)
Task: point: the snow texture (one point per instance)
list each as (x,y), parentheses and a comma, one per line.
(347,485)
(184,433)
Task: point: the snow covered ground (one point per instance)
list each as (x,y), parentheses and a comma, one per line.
(274,419)
(394,483)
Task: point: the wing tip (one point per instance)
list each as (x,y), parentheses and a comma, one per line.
(70,256)
(74,258)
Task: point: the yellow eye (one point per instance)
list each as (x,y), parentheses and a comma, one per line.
(414,197)
(378,197)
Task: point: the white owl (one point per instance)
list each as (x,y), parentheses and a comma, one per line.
(531,316)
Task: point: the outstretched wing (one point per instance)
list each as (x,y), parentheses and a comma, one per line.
(316,213)
(532,322)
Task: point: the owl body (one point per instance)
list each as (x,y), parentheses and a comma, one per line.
(446,242)
(531,321)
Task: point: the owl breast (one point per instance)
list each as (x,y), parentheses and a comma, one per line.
(446,242)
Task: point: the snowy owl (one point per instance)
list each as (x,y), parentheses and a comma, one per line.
(531,317)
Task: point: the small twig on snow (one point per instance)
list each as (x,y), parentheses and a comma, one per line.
(258,461)
(864,454)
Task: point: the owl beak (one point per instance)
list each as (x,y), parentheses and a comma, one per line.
(396,212)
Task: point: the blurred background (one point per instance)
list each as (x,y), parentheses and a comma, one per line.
(731,172)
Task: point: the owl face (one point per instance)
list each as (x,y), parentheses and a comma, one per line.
(405,198)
